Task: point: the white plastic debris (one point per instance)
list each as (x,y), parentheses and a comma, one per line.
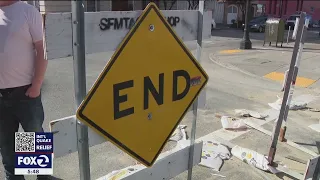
(249,113)
(218,175)
(231,123)
(179,134)
(253,158)
(211,160)
(213,155)
(296,104)
(314,110)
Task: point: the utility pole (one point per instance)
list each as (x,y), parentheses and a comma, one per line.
(287,89)
(245,42)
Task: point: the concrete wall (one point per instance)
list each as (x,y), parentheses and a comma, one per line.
(58,29)
(65,6)
(55,6)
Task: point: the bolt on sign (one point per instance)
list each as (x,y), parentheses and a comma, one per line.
(145,90)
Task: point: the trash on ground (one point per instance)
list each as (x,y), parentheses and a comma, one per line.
(297,103)
(231,123)
(252,158)
(293,105)
(213,154)
(314,110)
(249,113)
(315,127)
(179,134)
(218,175)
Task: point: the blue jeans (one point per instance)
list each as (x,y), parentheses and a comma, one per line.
(17,108)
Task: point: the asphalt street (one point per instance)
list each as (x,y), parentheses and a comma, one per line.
(234,83)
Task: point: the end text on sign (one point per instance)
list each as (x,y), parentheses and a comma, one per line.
(148,87)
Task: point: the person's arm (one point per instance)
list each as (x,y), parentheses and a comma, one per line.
(40,63)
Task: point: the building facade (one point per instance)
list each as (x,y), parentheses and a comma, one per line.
(215,6)
(285,8)
(47,6)
(235,11)
(223,12)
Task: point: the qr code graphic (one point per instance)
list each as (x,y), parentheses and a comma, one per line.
(25,142)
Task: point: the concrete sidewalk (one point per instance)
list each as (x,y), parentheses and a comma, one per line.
(242,74)
(230,87)
(271,62)
(236,81)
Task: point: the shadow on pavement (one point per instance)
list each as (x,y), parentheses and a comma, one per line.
(317,144)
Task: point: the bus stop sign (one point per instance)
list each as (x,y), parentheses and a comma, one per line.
(145,89)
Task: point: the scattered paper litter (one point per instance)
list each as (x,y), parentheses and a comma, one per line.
(232,123)
(299,102)
(295,104)
(249,113)
(218,175)
(213,155)
(253,158)
(314,110)
(179,134)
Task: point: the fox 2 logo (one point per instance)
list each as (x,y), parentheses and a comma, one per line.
(33,160)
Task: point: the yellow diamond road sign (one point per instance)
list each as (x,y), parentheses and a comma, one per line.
(145,90)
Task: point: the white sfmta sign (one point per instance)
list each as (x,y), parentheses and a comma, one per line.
(105,30)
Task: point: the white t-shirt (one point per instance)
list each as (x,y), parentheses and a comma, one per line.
(20,26)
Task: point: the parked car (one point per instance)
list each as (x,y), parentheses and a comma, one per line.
(292,20)
(315,25)
(257,24)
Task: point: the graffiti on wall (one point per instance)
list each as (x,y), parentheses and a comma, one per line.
(127,22)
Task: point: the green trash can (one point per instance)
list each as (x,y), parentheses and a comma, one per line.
(274,31)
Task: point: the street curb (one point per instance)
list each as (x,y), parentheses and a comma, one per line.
(215,59)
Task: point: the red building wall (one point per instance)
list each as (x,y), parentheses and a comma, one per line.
(285,8)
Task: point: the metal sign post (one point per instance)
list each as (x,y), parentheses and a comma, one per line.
(284,104)
(80,84)
(294,78)
(152,99)
(288,34)
(195,104)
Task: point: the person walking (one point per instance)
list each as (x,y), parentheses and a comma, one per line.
(22,71)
